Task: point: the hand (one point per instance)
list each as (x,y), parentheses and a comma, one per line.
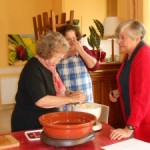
(76,93)
(118,134)
(76,45)
(78,97)
(113,95)
(68,92)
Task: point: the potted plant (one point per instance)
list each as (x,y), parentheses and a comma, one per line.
(94,38)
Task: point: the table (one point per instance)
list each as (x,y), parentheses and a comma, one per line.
(101,139)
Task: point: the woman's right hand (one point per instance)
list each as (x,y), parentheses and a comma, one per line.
(114,95)
(78,97)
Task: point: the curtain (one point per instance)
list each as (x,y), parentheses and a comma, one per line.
(135,9)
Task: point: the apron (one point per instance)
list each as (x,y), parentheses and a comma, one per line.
(75,76)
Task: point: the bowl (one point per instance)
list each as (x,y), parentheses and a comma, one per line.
(89,107)
(67,125)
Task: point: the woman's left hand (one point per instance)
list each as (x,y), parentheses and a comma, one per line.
(118,134)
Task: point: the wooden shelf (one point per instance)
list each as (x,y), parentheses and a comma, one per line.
(104,80)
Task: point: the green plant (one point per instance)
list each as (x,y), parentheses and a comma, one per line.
(94,39)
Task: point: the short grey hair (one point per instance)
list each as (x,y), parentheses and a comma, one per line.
(50,44)
(135,28)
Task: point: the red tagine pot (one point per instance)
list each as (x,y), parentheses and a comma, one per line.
(67,125)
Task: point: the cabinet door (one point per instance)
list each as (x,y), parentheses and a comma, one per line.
(102,84)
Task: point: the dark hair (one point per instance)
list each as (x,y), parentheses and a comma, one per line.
(67,28)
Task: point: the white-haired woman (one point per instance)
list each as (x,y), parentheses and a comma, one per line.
(133,81)
(40,89)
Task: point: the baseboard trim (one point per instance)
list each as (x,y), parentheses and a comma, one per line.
(7,106)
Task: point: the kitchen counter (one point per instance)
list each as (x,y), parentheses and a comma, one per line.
(101,139)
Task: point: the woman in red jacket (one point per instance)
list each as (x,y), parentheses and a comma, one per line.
(133,80)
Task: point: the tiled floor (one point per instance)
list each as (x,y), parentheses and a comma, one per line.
(5,117)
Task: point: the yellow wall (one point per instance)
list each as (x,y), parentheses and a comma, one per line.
(16,17)
(86,11)
(3,31)
(57,6)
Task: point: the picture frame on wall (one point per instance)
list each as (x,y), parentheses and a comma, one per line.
(21,48)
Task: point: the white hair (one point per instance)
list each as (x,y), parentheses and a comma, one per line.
(135,29)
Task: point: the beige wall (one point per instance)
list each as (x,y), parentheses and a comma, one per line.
(16,17)
(86,11)
(146,21)
(122,9)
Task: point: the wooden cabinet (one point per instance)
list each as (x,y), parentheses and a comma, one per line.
(104,80)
